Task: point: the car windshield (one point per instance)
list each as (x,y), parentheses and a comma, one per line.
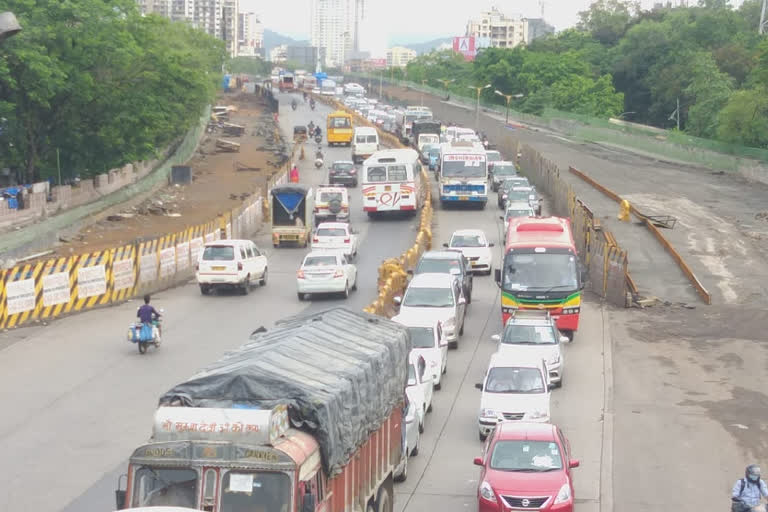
(331,232)
(319,261)
(428,298)
(493,156)
(255,491)
(504,170)
(514,380)
(540,271)
(437,265)
(154,487)
(518,195)
(529,456)
(219,253)
(422,337)
(327,197)
(467,241)
(529,335)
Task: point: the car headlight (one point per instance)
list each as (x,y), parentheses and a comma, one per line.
(486,491)
(564,494)
(488,413)
(536,415)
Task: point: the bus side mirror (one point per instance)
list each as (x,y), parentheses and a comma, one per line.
(497,275)
(120,494)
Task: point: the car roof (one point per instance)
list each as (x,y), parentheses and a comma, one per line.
(441,255)
(515,359)
(332,225)
(502,162)
(324,252)
(410,321)
(511,430)
(227,242)
(343,162)
(334,188)
(432,280)
(369,129)
(469,232)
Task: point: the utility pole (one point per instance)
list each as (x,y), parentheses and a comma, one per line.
(479,90)
(761,27)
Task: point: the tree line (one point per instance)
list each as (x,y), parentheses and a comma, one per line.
(623,61)
(90,85)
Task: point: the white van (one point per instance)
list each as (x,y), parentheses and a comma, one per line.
(231,264)
(364,143)
(513,389)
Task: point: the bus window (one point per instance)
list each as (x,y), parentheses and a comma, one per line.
(377,174)
(397,173)
(340,122)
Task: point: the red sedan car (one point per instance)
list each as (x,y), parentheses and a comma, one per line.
(526,466)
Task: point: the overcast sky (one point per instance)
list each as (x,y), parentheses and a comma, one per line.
(412,21)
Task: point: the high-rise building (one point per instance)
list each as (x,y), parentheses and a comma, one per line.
(218,18)
(334,28)
(507,32)
(251,33)
(279,53)
(399,57)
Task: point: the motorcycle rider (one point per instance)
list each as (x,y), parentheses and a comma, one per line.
(294,104)
(311,128)
(305,96)
(318,132)
(748,492)
(147,314)
(312,103)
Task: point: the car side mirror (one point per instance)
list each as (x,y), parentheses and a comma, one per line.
(445,244)
(478,461)
(397,300)
(501,217)
(493,244)
(497,275)
(550,386)
(462,301)
(564,339)
(574,463)
(479,386)
(496,338)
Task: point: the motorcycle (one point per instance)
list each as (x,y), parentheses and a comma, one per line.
(136,334)
(312,104)
(294,105)
(319,159)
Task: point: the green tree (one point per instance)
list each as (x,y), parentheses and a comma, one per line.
(744,119)
(607,20)
(255,66)
(709,89)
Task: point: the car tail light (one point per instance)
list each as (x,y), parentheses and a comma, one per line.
(346,240)
(315,239)
(339,273)
(240,265)
(300,274)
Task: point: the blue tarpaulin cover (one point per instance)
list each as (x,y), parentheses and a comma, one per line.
(290,196)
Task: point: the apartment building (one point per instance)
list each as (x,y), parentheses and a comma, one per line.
(251,33)
(218,18)
(507,32)
(334,27)
(399,56)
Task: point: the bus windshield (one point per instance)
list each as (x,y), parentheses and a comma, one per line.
(464,166)
(542,272)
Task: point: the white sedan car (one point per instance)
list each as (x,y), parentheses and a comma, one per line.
(337,236)
(326,272)
(475,247)
(428,341)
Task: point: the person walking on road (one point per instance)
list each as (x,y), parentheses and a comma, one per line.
(748,492)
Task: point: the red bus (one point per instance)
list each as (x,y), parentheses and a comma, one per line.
(541,270)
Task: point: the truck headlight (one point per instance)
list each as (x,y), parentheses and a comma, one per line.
(564,494)
(486,492)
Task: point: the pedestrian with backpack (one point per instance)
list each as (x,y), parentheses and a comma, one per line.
(748,492)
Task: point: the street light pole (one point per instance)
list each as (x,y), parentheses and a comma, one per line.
(508,98)
(479,89)
(445,84)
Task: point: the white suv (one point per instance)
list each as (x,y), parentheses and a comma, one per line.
(331,204)
(235,264)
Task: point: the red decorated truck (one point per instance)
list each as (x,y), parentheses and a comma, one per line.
(306,417)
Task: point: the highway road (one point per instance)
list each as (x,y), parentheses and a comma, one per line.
(77,398)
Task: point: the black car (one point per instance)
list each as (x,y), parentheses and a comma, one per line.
(447,262)
(507,195)
(343,172)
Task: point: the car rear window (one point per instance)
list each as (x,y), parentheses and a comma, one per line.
(327,197)
(437,265)
(319,261)
(371,139)
(219,253)
(331,232)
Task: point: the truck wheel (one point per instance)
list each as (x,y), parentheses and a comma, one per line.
(384,499)
(205,289)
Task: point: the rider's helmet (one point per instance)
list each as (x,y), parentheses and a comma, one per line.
(752,473)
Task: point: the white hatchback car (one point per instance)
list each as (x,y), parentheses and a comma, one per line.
(427,340)
(475,247)
(326,272)
(337,236)
(513,389)
(419,387)
(237,264)
(412,442)
(435,297)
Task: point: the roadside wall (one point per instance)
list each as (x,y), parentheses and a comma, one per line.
(72,204)
(44,290)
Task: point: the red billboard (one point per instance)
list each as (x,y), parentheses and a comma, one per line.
(465,46)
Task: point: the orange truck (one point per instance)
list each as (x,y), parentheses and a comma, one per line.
(306,417)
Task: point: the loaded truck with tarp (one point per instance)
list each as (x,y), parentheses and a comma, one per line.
(305,417)
(291,209)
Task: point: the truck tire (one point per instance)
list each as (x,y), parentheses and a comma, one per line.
(384,499)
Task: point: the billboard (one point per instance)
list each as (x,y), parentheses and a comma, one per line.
(465,46)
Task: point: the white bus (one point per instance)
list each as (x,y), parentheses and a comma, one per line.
(392,182)
(463,173)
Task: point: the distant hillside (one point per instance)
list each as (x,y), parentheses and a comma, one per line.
(428,46)
(272,39)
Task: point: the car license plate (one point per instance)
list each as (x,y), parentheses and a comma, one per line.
(219,268)
(387,188)
(464,198)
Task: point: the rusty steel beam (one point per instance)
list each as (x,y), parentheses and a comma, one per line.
(703,293)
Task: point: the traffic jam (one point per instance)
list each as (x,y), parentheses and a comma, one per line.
(247,434)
